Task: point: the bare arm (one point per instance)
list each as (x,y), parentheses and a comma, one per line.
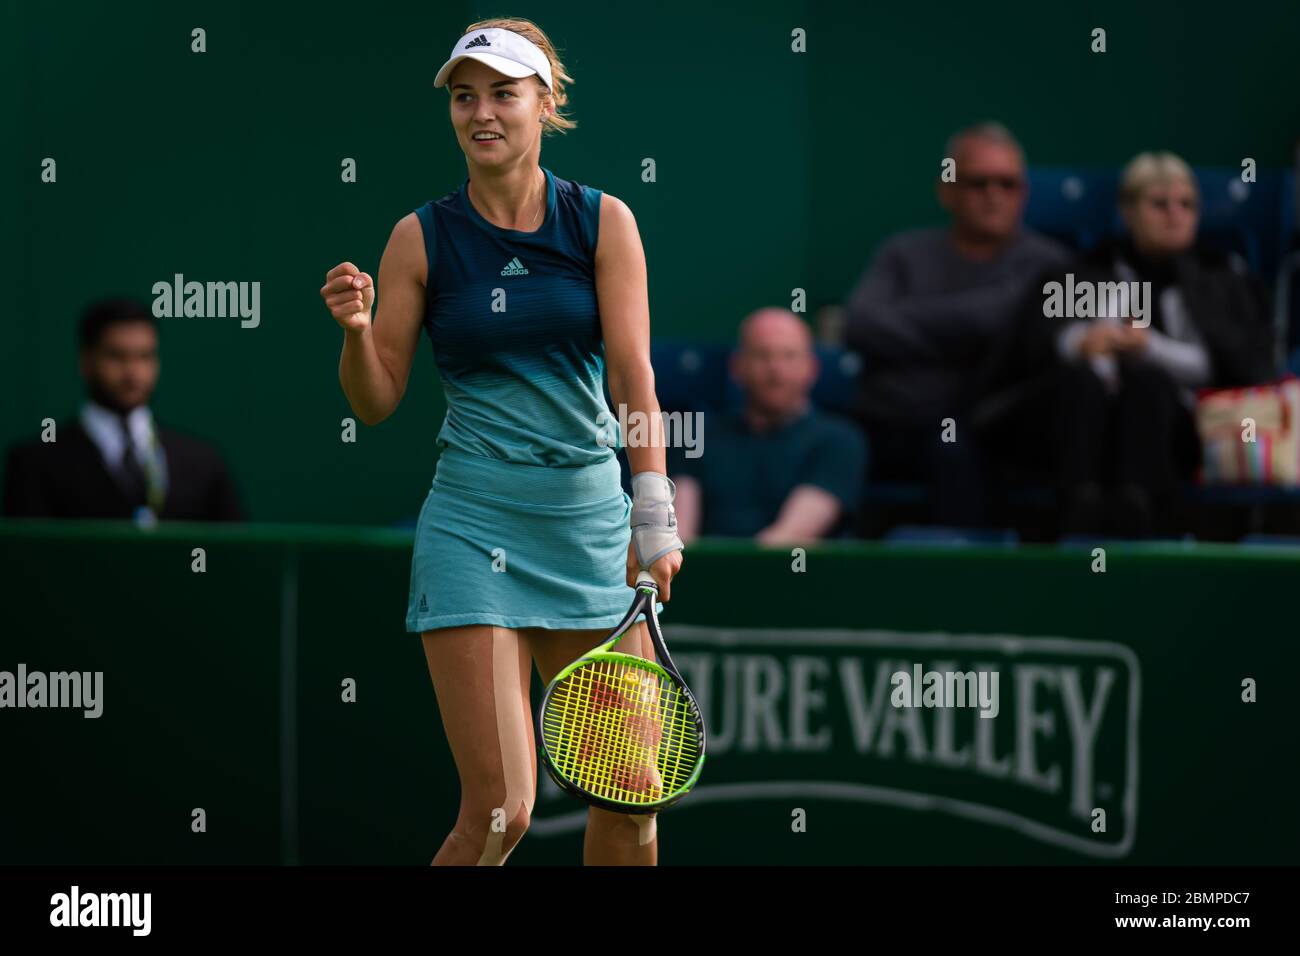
(807,513)
(625,322)
(689,507)
(623,299)
(376,360)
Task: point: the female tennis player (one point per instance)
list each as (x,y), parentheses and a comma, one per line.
(532,290)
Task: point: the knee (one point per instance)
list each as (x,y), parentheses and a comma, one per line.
(513,825)
(638,828)
(492,830)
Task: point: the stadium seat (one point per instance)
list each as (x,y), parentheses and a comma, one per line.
(1078,206)
(1072,205)
(1249,219)
(937,535)
(693,376)
(1240,495)
(1271,541)
(690,376)
(837,386)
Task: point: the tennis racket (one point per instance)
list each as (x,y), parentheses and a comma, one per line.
(619,731)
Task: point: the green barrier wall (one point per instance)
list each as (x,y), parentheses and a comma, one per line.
(222,690)
(775,171)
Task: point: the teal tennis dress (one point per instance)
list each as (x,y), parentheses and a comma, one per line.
(526,524)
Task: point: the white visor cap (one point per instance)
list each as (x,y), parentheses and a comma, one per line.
(504,50)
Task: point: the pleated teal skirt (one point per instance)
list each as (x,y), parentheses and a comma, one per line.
(520,546)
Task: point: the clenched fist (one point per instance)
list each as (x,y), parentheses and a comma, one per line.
(349,294)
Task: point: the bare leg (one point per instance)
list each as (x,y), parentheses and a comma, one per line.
(613,839)
(480,675)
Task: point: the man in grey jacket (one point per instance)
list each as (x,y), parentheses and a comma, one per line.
(926,313)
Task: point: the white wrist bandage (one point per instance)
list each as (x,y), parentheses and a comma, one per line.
(654,523)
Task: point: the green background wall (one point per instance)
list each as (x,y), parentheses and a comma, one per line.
(775,171)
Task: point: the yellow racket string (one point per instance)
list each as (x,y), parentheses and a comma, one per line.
(620,732)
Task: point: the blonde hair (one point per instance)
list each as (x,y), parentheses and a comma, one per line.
(555,122)
(1152,169)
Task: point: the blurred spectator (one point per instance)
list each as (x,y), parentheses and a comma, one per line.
(114,461)
(779,471)
(928,310)
(1114,401)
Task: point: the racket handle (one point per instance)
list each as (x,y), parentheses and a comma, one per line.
(645,577)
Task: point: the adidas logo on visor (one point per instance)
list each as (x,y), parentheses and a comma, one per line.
(479,40)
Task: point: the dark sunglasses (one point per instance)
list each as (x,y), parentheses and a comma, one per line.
(1006,183)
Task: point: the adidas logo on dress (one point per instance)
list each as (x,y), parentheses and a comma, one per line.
(514,268)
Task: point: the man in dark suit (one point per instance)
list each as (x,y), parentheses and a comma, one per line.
(114,461)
